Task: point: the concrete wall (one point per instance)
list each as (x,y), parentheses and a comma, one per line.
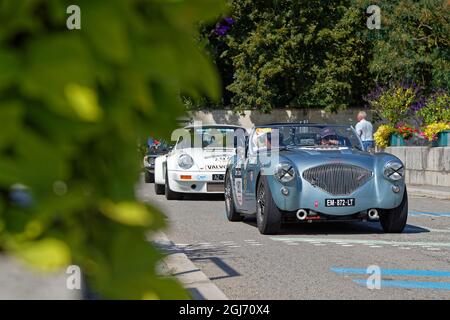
(425,165)
(250,118)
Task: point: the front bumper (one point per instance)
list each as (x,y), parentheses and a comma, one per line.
(196,181)
(376,193)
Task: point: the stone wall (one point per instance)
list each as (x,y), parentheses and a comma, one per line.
(425,165)
(249,118)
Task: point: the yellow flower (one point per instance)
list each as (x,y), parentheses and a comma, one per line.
(431,131)
(383,135)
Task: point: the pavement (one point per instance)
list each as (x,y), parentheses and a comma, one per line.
(436,192)
(312,261)
(217,259)
(18,282)
(178,265)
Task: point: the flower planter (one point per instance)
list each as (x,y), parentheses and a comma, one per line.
(443,139)
(397,140)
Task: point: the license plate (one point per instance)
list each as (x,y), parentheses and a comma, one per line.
(218,177)
(342,202)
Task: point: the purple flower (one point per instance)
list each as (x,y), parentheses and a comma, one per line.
(229,21)
(419,104)
(223,26)
(221,30)
(374,94)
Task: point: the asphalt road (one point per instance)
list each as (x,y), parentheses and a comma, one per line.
(313,261)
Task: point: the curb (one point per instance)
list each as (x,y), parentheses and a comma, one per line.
(435,194)
(193,279)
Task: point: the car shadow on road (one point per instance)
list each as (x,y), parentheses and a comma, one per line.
(336,228)
(203,197)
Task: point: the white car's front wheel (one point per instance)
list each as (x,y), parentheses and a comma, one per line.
(171,195)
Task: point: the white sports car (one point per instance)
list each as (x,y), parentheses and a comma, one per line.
(198,161)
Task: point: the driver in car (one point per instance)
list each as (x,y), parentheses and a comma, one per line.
(328,137)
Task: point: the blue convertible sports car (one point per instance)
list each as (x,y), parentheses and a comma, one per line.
(313,172)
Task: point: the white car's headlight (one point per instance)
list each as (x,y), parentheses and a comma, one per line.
(394,170)
(185,161)
(285,172)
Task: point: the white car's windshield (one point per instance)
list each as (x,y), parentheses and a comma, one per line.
(212,137)
(297,135)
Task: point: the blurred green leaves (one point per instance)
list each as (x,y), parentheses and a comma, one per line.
(73,105)
(46,254)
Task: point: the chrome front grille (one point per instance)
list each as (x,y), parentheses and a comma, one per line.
(337,179)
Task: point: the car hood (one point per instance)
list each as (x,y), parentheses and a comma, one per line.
(307,158)
(208,159)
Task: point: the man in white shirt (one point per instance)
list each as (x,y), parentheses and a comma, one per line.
(364,129)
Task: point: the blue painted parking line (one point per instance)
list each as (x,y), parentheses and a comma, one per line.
(396,272)
(409,284)
(423,213)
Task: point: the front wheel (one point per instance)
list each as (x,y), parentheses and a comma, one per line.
(149,177)
(171,195)
(230,209)
(268,216)
(394,220)
(159,189)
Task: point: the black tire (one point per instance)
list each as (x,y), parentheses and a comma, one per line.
(171,195)
(268,216)
(394,220)
(159,188)
(149,177)
(230,209)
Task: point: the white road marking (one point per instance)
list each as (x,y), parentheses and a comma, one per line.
(364,242)
(436,230)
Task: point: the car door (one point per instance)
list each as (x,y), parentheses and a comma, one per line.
(238,175)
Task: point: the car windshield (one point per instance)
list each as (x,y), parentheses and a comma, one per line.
(208,137)
(306,136)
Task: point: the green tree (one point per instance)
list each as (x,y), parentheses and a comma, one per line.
(305,54)
(413,45)
(73,105)
(297,54)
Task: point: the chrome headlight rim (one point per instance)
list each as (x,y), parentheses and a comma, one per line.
(394,170)
(185,161)
(285,172)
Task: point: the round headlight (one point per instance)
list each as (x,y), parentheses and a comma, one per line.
(285,172)
(185,161)
(394,170)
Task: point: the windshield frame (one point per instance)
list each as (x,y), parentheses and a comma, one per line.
(253,149)
(215,130)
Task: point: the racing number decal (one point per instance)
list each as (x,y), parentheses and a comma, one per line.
(238,188)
